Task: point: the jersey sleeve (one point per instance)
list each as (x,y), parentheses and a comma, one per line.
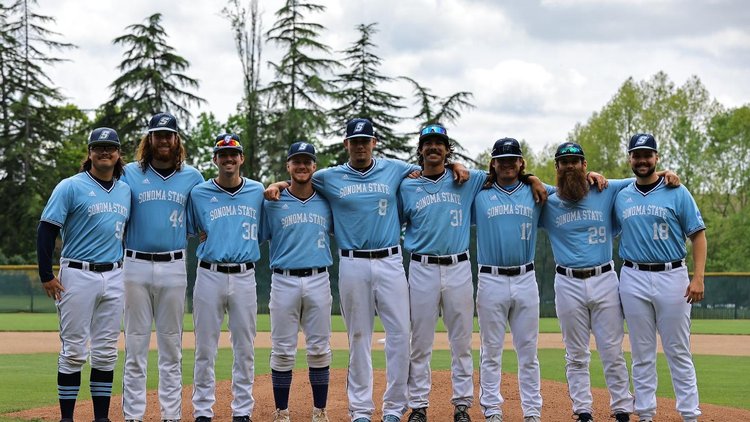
(318,178)
(619,184)
(550,189)
(59,204)
(690,216)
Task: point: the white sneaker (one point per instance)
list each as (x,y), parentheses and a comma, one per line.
(281,415)
(319,415)
(495,418)
(532,419)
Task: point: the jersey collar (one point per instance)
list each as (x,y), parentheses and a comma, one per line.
(114,182)
(661,182)
(159,174)
(363,173)
(301,201)
(506,191)
(242,186)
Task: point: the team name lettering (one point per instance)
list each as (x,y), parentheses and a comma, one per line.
(302,217)
(579,215)
(637,210)
(162,195)
(232,210)
(437,198)
(101,207)
(513,209)
(364,188)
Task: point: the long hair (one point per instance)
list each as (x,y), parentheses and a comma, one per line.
(144,155)
(492,178)
(118,172)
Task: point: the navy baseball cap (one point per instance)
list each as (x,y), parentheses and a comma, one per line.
(301,148)
(642,141)
(506,147)
(162,121)
(569,149)
(104,136)
(359,128)
(436,130)
(227,141)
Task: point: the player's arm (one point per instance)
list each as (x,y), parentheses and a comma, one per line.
(672,179)
(695,290)
(46,234)
(538,189)
(460,172)
(273,191)
(597,179)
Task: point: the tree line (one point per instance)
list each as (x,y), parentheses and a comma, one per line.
(308,94)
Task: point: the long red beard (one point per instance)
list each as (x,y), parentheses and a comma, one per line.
(572,184)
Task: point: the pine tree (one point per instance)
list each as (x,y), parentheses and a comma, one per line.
(152,80)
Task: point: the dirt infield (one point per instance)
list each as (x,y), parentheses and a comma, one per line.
(49,342)
(556,402)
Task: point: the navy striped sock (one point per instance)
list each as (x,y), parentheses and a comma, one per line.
(101,391)
(282,382)
(67,392)
(319,378)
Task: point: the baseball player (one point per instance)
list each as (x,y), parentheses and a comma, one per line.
(228,210)
(155,273)
(506,217)
(363,198)
(437,214)
(654,282)
(298,226)
(91,209)
(580,227)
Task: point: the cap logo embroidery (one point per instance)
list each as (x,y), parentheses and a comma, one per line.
(359,127)
(104,134)
(641,140)
(302,146)
(228,138)
(163,121)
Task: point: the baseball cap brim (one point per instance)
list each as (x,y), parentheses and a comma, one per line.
(104,142)
(642,147)
(360,135)
(507,155)
(158,129)
(219,149)
(302,153)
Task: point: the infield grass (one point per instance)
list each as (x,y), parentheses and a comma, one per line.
(29,380)
(49,322)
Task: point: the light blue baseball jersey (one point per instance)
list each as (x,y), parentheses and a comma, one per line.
(299,231)
(437,213)
(92,219)
(364,204)
(581,232)
(157,215)
(506,220)
(230,220)
(656,224)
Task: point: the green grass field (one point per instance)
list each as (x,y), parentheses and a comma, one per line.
(722,380)
(48,322)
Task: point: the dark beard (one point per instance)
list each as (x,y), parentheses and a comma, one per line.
(170,156)
(572,185)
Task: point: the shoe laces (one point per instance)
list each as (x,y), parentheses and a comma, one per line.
(418,415)
(460,414)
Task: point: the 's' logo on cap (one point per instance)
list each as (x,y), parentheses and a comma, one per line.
(228,138)
(359,127)
(641,140)
(104,134)
(163,121)
(302,146)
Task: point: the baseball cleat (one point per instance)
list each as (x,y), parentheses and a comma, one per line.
(461,414)
(202,419)
(241,419)
(418,415)
(319,415)
(532,419)
(280,415)
(391,418)
(494,418)
(622,417)
(585,417)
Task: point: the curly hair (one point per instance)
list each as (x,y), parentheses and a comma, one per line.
(144,155)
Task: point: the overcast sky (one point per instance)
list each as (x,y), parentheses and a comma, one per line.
(535,67)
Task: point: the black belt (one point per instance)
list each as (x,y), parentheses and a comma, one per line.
(156,257)
(441,260)
(227,268)
(584,272)
(488,269)
(97,268)
(302,272)
(377,254)
(652,267)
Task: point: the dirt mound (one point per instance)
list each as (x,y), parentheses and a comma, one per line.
(555,395)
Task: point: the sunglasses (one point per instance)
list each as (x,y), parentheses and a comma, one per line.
(104,148)
(433,129)
(228,143)
(570,150)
